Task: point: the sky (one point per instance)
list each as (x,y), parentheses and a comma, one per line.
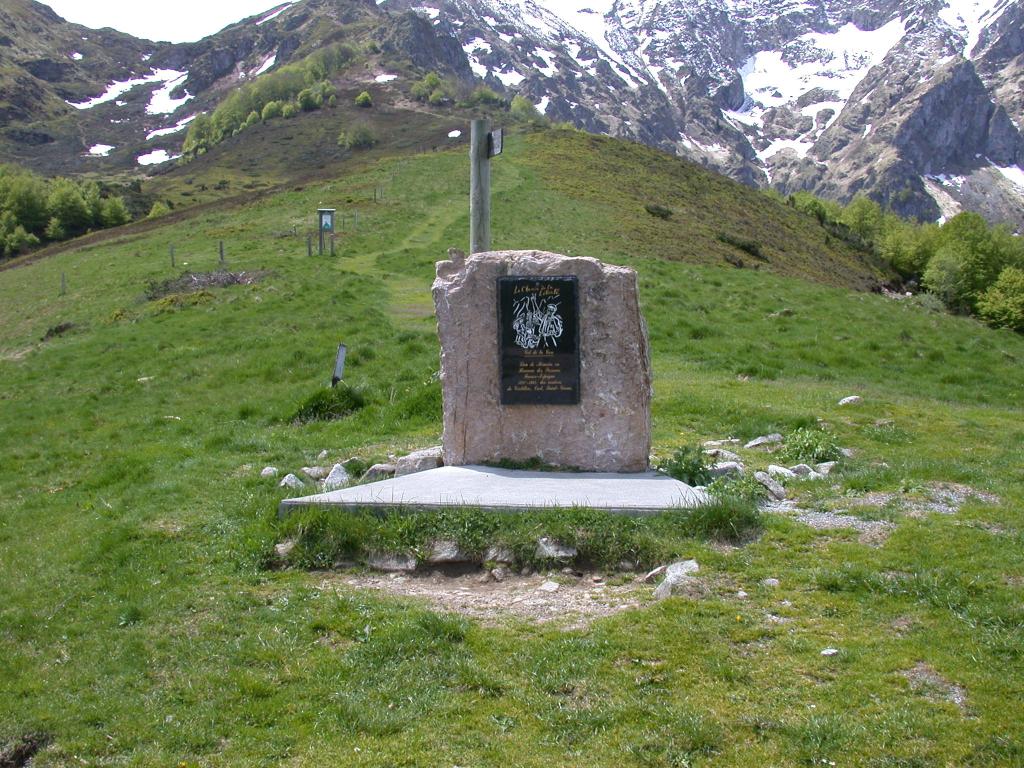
(180,21)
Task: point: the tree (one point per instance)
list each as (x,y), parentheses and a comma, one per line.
(66,204)
(364,100)
(1002,305)
(114,212)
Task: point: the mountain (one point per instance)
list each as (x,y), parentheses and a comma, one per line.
(916,103)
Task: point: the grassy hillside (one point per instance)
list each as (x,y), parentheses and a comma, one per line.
(139,625)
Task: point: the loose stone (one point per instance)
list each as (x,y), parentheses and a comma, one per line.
(851,400)
(316,473)
(418,461)
(337,478)
(773,486)
(776,471)
(549,549)
(379,472)
(268,472)
(723,468)
(391,562)
(765,441)
(290,481)
(676,578)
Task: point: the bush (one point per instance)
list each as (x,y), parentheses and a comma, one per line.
(1002,305)
(811,445)
(658,211)
(523,110)
(160,208)
(688,464)
(358,137)
(289,110)
(329,404)
(364,100)
(271,110)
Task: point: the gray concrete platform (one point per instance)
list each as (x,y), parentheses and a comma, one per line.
(509,490)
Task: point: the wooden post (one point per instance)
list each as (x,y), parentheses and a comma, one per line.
(172,257)
(309,244)
(222,253)
(479,188)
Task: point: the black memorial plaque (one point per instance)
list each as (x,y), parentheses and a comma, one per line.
(538,337)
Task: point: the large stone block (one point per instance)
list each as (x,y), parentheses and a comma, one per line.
(608,430)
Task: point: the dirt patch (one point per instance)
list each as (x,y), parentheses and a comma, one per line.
(573,604)
(58,330)
(925,681)
(872,532)
(940,498)
(191,282)
(19,752)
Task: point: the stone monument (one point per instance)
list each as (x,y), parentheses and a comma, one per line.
(543,357)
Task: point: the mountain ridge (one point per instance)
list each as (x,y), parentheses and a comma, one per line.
(915,103)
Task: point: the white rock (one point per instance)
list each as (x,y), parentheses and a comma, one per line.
(548,586)
(290,481)
(446,551)
(723,468)
(676,576)
(765,440)
(418,461)
(283,549)
(719,443)
(723,455)
(336,478)
(801,470)
(268,472)
(824,467)
(851,400)
(848,453)
(379,472)
(499,554)
(316,473)
(549,549)
(830,652)
(773,486)
(650,576)
(392,562)
(776,471)
(770,583)
(741,595)
(322,456)
(500,573)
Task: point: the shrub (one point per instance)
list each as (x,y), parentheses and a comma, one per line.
(160,208)
(751,247)
(357,137)
(271,110)
(688,464)
(523,110)
(658,211)
(310,99)
(329,404)
(483,96)
(812,445)
(289,110)
(364,100)
(1002,305)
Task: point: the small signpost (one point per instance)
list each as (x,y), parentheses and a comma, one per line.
(325,225)
(483,145)
(339,366)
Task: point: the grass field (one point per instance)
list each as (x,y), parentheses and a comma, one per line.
(139,626)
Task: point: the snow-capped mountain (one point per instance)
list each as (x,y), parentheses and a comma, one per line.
(917,103)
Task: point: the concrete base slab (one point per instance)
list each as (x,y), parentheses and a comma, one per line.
(508,490)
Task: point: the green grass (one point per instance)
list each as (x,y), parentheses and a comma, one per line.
(139,625)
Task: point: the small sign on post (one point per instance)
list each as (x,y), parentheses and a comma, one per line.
(339,366)
(494,141)
(325,224)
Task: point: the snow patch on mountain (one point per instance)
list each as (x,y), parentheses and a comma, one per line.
(275,12)
(176,128)
(161,102)
(970,17)
(100,150)
(119,87)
